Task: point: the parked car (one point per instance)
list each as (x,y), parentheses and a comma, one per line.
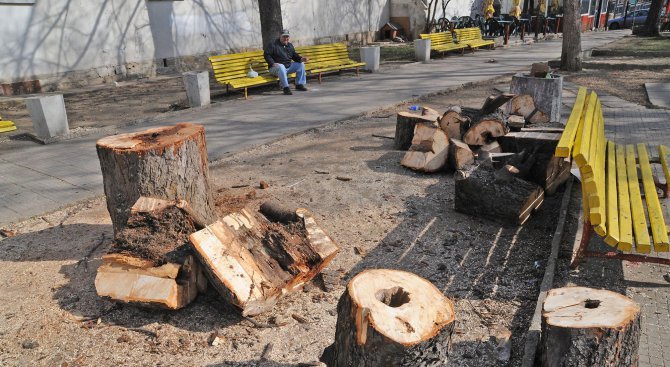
(639,16)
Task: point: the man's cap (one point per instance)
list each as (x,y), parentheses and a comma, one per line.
(285,32)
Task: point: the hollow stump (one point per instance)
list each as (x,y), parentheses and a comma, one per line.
(166,163)
(589,327)
(392,318)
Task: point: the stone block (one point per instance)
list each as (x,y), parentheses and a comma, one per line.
(49,116)
(422,50)
(370,56)
(197,88)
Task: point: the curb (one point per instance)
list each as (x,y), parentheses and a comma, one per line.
(534,331)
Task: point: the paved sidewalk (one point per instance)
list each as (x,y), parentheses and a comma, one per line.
(35,179)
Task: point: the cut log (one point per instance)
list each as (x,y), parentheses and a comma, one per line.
(460,154)
(253,262)
(484,129)
(589,327)
(492,103)
(151,263)
(479,193)
(539,69)
(431,114)
(167,162)
(429,151)
(404,128)
(516,123)
(556,173)
(454,123)
(392,318)
(524,105)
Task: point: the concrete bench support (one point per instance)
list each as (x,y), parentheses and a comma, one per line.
(370,56)
(197,88)
(422,50)
(49,116)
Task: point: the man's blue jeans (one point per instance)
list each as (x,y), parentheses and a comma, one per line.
(282,71)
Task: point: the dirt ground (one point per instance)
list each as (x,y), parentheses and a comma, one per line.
(384,217)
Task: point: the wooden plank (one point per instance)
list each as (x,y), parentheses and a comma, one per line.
(581,151)
(567,141)
(658,229)
(664,157)
(600,174)
(642,241)
(625,222)
(612,204)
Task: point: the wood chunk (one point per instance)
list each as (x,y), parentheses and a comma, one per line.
(460,154)
(431,114)
(485,129)
(392,318)
(454,123)
(484,152)
(429,150)
(405,126)
(539,69)
(252,263)
(589,327)
(479,193)
(492,103)
(516,123)
(524,105)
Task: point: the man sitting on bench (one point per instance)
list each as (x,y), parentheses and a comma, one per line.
(283,60)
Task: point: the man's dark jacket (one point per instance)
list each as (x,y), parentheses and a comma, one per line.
(278,53)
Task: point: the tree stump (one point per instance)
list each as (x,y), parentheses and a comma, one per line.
(166,163)
(404,128)
(589,327)
(392,318)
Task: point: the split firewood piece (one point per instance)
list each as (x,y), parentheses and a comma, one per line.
(524,105)
(167,162)
(480,193)
(150,262)
(252,261)
(429,150)
(516,122)
(556,173)
(589,327)
(492,103)
(454,123)
(392,318)
(460,154)
(431,114)
(519,165)
(405,125)
(485,128)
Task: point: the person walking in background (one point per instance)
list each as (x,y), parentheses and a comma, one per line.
(283,60)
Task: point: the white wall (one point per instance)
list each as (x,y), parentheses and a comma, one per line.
(59,36)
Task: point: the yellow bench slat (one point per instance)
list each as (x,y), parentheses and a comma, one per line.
(664,157)
(612,203)
(564,146)
(642,241)
(625,222)
(598,213)
(659,231)
(581,152)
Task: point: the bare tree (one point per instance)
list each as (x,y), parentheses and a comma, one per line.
(651,24)
(430,15)
(571,55)
(271,22)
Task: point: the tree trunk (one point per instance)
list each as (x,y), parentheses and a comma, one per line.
(392,318)
(253,262)
(485,128)
(589,327)
(271,20)
(404,128)
(429,151)
(167,163)
(510,200)
(460,155)
(651,23)
(571,54)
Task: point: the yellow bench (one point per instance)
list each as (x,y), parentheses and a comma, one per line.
(231,70)
(472,37)
(443,42)
(6,125)
(619,191)
(326,58)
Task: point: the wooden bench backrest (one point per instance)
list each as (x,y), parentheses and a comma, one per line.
(438,39)
(468,34)
(236,66)
(323,54)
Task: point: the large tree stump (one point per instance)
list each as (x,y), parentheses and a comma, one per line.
(405,126)
(167,163)
(392,318)
(584,327)
(429,151)
(480,192)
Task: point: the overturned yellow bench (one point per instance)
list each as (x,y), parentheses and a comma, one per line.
(472,37)
(619,191)
(327,58)
(443,42)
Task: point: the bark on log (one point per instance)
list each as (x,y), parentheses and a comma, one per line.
(252,262)
(523,105)
(485,128)
(492,103)
(167,162)
(454,123)
(429,151)
(405,126)
(460,154)
(392,318)
(589,327)
(479,193)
